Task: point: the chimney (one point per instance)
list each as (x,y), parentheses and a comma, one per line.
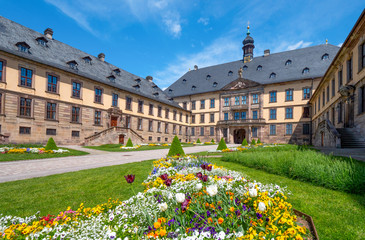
(149,78)
(266,52)
(101,57)
(48,33)
(195,67)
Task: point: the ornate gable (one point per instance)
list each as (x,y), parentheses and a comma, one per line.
(240,83)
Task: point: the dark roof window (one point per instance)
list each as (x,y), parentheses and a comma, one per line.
(272,75)
(23,47)
(72,64)
(156,94)
(184,80)
(136,87)
(87,59)
(170,91)
(111,78)
(208,77)
(244,68)
(117,71)
(137,80)
(259,68)
(193,88)
(215,84)
(154,86)
(305,70)
(42,41)
(230,73)
(288,62)
(325,56)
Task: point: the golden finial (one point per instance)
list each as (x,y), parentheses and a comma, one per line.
(248,27)
(326,41)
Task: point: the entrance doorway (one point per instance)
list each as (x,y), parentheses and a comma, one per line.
(114,121)
(349,114)
(121,139)
(239,135)
(322,139)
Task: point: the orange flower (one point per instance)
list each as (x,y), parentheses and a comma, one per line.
(220,220)
(231,209)
(210,220)
(157,225)
(162,232)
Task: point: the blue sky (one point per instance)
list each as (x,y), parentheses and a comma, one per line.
(164,38)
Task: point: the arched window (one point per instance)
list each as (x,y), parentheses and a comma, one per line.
(272,75)
(288,62)
(170,90)
(244,68)
(215,84)
(259,68)
(230,73)
(193,88)
(305,70)
(208,77)
(184,80)
(325,56)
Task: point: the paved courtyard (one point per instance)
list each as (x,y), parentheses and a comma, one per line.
(18,170)
(355,153)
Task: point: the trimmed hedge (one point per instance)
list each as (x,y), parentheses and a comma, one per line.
(258,140)
(212,141)
(198,141)
(51,145)
(253,142)
(244,142)
(222,144)
(175,148)
(129,143)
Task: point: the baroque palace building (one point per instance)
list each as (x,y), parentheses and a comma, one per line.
(50,89)
(265,97)
(338,104)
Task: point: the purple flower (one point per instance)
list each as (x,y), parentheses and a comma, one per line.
(205,178)
(168,182)
(164,176)
(199,175)
(258,215)
(130,178)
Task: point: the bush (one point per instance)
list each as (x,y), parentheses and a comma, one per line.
(222,144)
(198,141)
(212,141)
(253,142)
(51,145)
(244,142)
(129,143)
(329,171)
(258,141)
(175,148)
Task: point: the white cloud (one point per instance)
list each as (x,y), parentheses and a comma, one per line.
(204,21)
(339,45)
(220,51)
(300,44)
(160,4)
(172,22)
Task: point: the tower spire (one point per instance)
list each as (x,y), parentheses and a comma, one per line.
(248,46)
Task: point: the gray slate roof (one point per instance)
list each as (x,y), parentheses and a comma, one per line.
(310,57)
(57,54)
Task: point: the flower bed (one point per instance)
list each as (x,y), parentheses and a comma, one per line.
(10,150)
(184,198)
(130,148)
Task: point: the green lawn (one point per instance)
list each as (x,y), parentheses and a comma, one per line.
(336,214)
(30,156)
(116,147)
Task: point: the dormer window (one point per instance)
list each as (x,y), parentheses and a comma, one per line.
(272,75)
(184,80)
(137,80)
(42,41)
(111,78)
(215,84)
(259,68)
(170,91)
(87,60)
(136,87)
(72,64)
(244,68)
(208,77)
(156,94)
(325,56)
(305,70)
(288,62)
(117,71)
(193,88)
(23,47)
(230,73)
(154,86)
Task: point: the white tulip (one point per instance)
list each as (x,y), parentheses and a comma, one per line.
(262,206)
(162,206)
(252,192)
(212,190)
(180,197)
(198,186)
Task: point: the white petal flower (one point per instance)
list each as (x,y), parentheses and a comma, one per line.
(262,206)
(162,206)
(198,186)
(252,192)
(212,190)
(180,197)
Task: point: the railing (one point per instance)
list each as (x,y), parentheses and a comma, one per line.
(242,121)
(111,129)
(237,107)
(329,126)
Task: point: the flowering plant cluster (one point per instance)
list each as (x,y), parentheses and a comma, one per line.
(184,198)
(8,150)
(209,143)
(128,148)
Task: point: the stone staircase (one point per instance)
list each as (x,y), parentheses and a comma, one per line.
(350,138)
(111,136)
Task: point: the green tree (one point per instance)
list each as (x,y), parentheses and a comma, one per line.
(129,143)
(51,145)
(198,141)
(244,142)
(175,148)
(212,140)
(253,142)
(222,144)
(258,140)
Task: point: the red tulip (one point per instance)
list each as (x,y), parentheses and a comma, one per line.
(205,178)
(164,176)
(130,178)
(203,166)
(209,168)
(199,175)
(168,182)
